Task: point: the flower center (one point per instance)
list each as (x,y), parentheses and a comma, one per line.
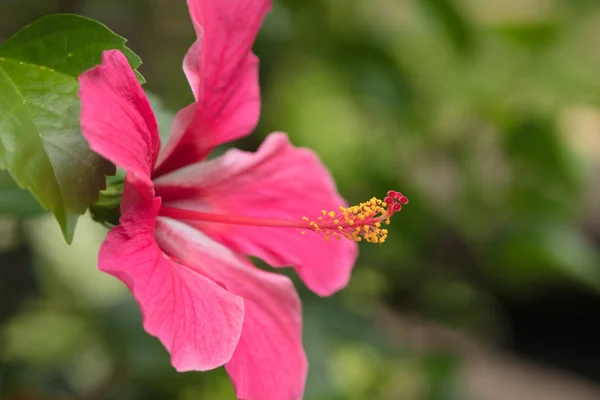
(355,223)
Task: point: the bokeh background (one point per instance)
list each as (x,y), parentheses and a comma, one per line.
(485,113)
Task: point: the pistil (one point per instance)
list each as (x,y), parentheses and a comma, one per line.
(363,221)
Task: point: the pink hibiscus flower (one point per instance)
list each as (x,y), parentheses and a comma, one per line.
(187,224)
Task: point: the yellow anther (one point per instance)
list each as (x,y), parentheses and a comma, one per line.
(303,232)
(361,222)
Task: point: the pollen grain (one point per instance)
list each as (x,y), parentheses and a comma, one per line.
(359,222)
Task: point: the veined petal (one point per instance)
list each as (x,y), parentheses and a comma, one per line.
(116,117)
(223,74)
(196,319)
(278,181)
(269,361)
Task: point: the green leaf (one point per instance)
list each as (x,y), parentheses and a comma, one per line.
(66,43)
(41,144)
(40,139)
(15,201)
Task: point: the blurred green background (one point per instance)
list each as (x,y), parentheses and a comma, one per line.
(485,113)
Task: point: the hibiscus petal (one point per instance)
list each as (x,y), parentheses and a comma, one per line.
(269,362)
(197,320)
(223,74)
(116,117)
(278,181)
